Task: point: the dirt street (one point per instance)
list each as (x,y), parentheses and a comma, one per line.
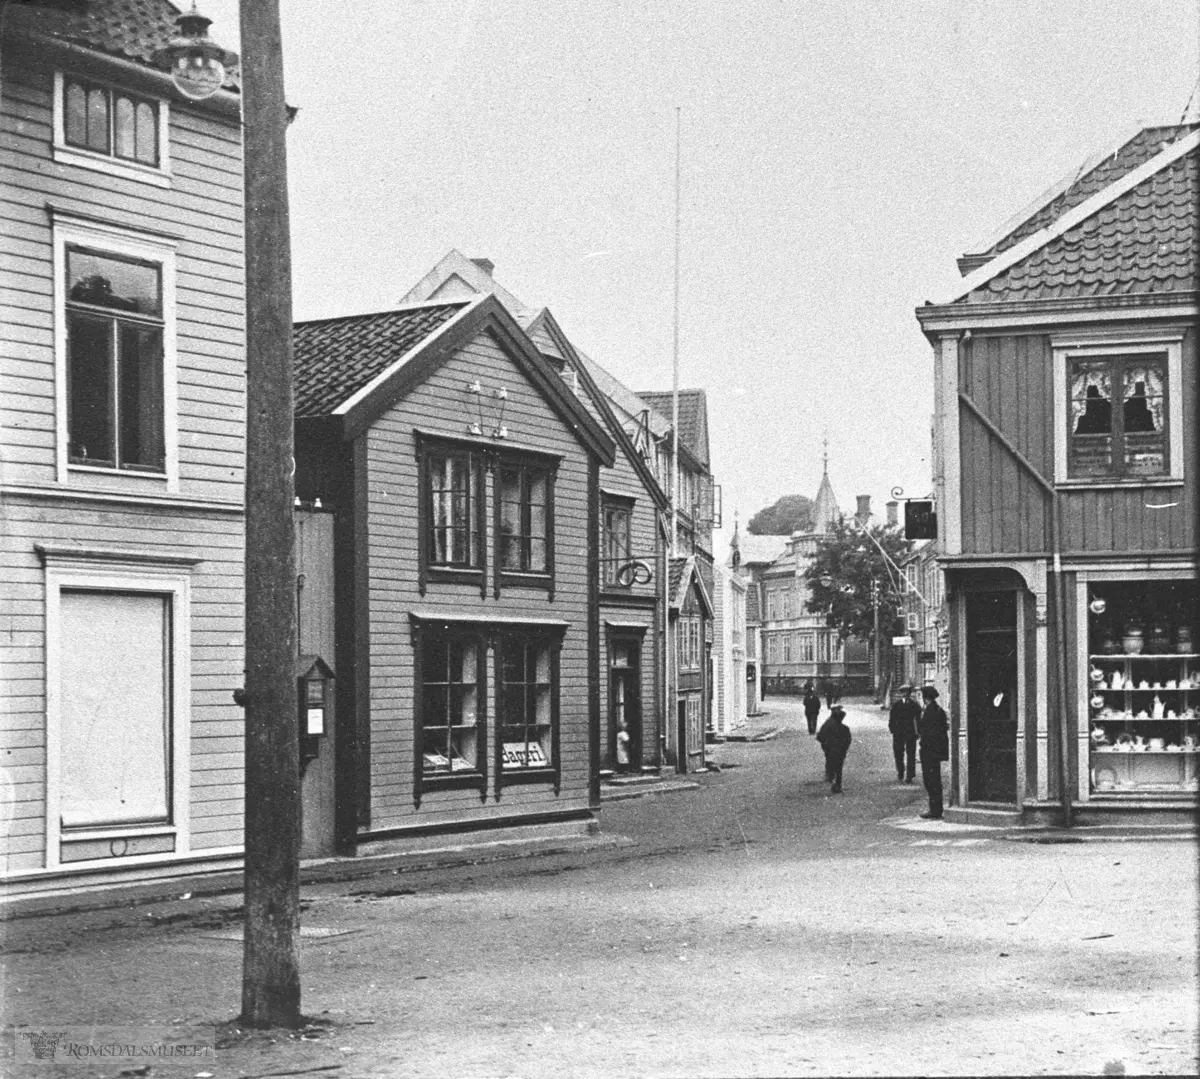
(753,926)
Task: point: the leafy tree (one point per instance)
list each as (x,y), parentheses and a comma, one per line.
(850,561)
(791,513)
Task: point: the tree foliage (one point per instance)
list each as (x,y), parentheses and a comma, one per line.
(851,562)
(791,513)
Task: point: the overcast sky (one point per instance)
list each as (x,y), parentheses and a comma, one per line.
(837,158)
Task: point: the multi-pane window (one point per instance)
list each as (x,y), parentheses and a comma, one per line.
(451,692)
(787,648)
(616,541)
(524,517)
(806,652)
(1117,416)
(454,518)
(690,643)
(526,702)
(114,322)
(110,122)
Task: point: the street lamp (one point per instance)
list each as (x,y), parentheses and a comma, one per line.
(197,64)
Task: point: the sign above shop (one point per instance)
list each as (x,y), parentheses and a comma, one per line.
(899,641)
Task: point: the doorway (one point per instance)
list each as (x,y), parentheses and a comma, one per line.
(992,697)
(624,705)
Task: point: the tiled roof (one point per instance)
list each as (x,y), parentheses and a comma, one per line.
(1127,157)
(132,29)
(336,357)
(693,418)
(1144,242)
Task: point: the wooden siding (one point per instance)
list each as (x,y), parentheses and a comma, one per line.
(1004,510)
(202,209)
(437,406)
(216,656)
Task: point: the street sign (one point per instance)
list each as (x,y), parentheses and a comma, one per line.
(898,641)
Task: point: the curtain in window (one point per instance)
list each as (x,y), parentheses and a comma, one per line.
(1091,401)
(1143,399)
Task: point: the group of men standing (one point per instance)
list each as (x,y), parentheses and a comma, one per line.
(925,727)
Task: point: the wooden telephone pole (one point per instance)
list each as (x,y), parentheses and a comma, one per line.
(271,961)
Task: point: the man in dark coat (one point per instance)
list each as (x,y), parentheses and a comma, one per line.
(902,722)
(933,732)
(812,709)
(834,737)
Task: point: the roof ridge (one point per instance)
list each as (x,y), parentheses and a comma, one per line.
(397,310)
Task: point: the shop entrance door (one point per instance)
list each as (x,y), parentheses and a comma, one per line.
(624,706)
(991,697)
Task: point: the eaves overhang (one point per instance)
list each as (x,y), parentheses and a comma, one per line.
(937,320)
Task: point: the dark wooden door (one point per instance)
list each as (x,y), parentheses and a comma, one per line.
(991,697)
(625,706)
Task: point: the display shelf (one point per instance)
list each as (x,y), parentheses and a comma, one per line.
(1144,655)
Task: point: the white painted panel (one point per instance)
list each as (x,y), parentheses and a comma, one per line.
(115,714)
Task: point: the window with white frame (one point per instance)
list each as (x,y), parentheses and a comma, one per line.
(109,129)
(1119,410)
(807,651)
(118,668)
(115,334)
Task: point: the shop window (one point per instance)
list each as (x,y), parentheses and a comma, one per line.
(108,129)
(114,361)
(450,710)
(524,525)
(1142,689)
(527,699)
(1120,420)
(617,543)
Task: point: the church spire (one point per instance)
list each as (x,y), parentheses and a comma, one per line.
(825,508)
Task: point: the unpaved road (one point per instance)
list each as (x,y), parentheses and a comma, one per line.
(755,926)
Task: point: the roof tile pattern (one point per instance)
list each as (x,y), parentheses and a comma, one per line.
(1142,243)
(132,29)
(693,410)
(336,357)
(1133,154)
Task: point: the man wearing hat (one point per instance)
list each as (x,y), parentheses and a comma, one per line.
(834,737)
(933,732)
(902,722)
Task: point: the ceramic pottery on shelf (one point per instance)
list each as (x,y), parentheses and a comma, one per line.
(1183,639)
(1133,641)
(1110,646)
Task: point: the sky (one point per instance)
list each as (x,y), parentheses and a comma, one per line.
(837,156)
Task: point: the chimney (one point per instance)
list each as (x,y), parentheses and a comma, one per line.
(892,514)
(486,265)
(863,513)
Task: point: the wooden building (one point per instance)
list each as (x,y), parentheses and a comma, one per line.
(121,452)
(1065,477)
(463,479)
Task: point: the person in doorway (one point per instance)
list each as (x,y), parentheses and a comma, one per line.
(623,741)
(835,738)
(812,708)
(902,722)
(933,733)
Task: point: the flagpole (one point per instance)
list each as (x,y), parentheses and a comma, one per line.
(675,361)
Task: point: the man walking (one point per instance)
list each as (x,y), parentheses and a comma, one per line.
(812,708)
(933,732)
(902,722)
(835,737)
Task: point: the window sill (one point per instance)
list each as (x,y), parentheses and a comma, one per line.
(1104,483)
(454,575)
(442,781)
(526,580)
(514,776)
(128,170)
(106,470)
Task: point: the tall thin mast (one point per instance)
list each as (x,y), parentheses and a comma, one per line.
(675,363)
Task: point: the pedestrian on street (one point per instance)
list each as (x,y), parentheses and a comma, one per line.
(835,738)
(933,732)
(902,722)
(812,708)
(833,693)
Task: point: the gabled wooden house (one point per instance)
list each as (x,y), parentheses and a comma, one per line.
(463,477)
(1065,477)
(121,451)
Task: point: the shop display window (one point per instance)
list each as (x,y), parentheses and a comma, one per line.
(528,704)
(1143,686)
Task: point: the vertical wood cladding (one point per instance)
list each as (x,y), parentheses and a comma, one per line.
(1004,510)
(437,406)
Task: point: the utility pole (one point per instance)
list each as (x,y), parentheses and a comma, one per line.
(875,615)
(271,960)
